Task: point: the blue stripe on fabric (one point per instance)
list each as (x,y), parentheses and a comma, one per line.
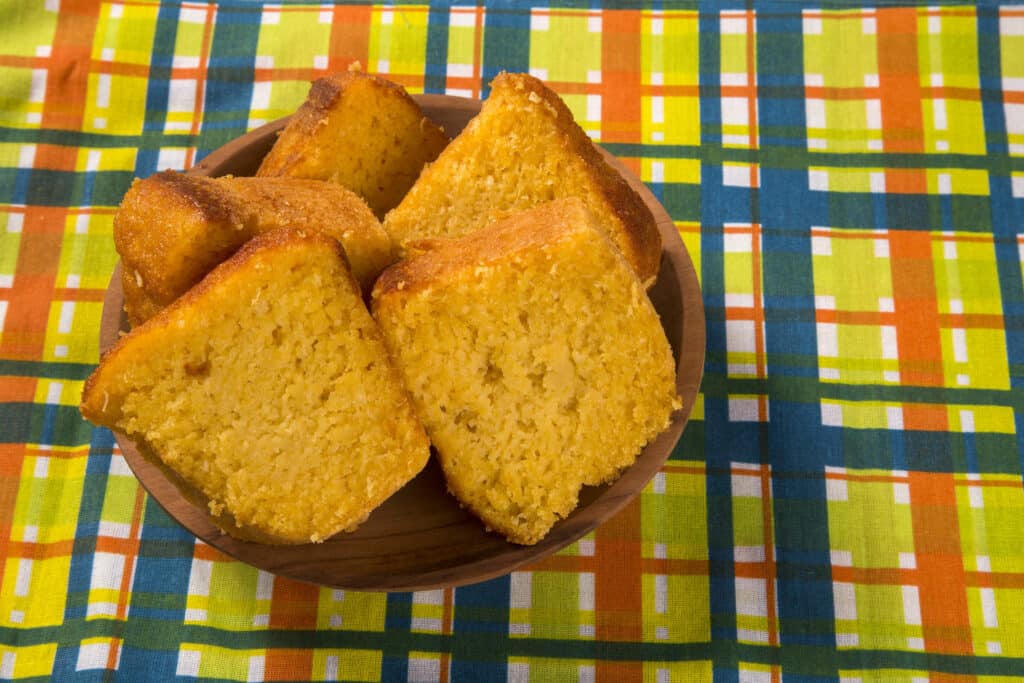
(398,618)
(795,439)
(158,84)
(436,60)
(159,590)
(506,43)
(723,442)
(481,608)
(231,72)
(1006,222)
(97,469)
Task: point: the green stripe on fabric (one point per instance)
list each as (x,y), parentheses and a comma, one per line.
(45,370)
(810,390)
(776,156)
(796,158)
(74,138)
(26,421)
(806,659)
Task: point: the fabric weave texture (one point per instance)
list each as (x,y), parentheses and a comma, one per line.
(846,503)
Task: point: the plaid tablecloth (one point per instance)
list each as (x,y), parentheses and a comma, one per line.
(846,503)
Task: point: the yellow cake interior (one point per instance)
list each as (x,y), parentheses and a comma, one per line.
(535,360)
(267,387)
(522,150)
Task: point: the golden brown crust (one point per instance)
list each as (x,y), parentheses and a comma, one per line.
(638,221)
(322,123)
(519,232)
(138,305)
(92,407)
(172,228)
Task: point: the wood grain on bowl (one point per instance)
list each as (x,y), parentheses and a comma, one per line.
(420,538)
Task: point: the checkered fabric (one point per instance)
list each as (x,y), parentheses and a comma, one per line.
(846,503)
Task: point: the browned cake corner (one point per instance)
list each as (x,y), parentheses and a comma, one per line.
(522,150)
(138,305)
(267,387)
(535,360)
(360,131)
(172,229)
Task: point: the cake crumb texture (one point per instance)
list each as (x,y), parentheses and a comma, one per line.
(535,360)
(522,150)
(360,131)
(172,229)
(267,387)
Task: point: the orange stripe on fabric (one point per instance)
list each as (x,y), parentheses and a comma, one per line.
(19,62)
(293,606)
(860,14)
(683,469)
(994,580)
(59,454)
(990,321)
(283,664)
(11,458)
(39,551)
(28,307)
(68,77)
(582,563)
(989,483)
(16,390)
(871,93)
(917,316)
(844,234)
(350,37)
(577,88)
(867,478)
(941,580)
(900,87)
(74,294)
(135,70)
(621,114)
(203,551)
(446,628)
(618,591)
(891,576)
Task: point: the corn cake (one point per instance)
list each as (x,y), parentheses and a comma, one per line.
(362,132)
(171,229)
(535,360)
(521,150)
(267,387)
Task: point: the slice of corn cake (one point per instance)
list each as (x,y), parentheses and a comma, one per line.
(535,360)
(521,150)
(267,387)
(362,132)
(172,229)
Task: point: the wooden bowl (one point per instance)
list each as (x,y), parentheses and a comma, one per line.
(420,538)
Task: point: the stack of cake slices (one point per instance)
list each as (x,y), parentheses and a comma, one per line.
(510,325)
